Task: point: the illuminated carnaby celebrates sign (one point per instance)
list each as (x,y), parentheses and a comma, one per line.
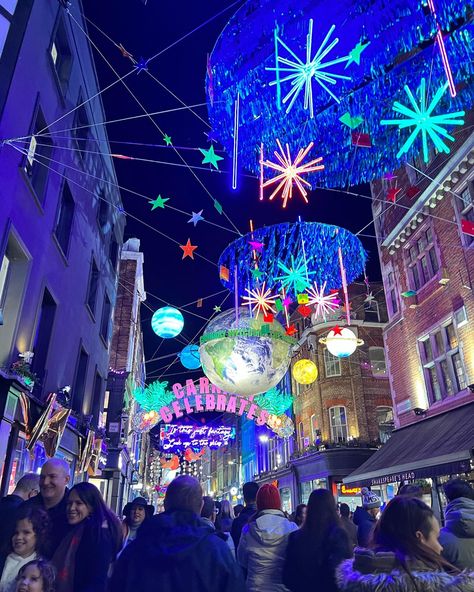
(176,438)
(204,396)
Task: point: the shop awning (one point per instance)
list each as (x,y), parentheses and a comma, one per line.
(439,445)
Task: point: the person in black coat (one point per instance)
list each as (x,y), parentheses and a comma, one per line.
(177,551)
(84,557)
(366,517)
(250,496)
(317,548)
(26,488)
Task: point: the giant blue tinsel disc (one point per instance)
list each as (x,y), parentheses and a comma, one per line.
(401,51)
(314,243)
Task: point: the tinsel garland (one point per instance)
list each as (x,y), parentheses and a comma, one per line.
(154,396)
(274,401)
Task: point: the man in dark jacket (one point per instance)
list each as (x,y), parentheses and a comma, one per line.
(177,550)
(27,487)
(53,495)
(250,496)
(366,517)
(457,537)
(347,524)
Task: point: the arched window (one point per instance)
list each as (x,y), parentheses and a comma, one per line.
(338,423)
(314,429)
(300,436)
(384,418)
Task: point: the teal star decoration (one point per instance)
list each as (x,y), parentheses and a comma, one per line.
(217,309)
(167,140)
(354,55)
(195,218)
(159,202)
(295,276)
(256,273)
(154,396)
(274,401)
(218,206)
(350,121)
(211,157)
(427,125)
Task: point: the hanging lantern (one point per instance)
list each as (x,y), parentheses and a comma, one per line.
(341,342)
(167,322)
(305,371)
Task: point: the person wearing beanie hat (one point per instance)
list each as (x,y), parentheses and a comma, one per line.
(262,546)
(367,518)
(135,512)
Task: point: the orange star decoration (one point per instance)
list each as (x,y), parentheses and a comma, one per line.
(188,249)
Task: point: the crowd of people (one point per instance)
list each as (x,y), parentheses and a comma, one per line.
(59,539)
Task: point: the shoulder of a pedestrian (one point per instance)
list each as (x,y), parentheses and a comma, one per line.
(460,517)
(11,501)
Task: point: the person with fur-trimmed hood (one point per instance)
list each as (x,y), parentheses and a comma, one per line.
(457,536)
(405,555)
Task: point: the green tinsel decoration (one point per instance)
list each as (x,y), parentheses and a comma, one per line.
(154,396)
(274,401)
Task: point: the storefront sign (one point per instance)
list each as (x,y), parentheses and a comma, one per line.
(350,490)
(396,478)
(176,438)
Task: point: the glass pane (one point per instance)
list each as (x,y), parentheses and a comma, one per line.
(425,272)
(421,243)
(390,278)
(451,336)
(9,5)
(436,391)
(427,351)
(446,377)
(466,197)
(433,260)
(394,301)
(416,279)
(413,253)
(429,236)
(459,371)
(439,343)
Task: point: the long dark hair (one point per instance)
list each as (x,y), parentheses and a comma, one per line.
(100,514)
(321,515)
(396,531)
(41,525)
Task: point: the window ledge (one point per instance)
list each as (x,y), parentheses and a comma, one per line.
(28,183)
(427,289)
(104,341)
(60,249)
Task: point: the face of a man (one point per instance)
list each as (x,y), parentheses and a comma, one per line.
(137,515)
(53,482)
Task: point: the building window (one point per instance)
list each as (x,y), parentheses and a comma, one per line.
(103,212)
(81,127)
(338,423)
(7,8)
(384,418)
(61,55)
(97,398)
(44,330)
(443,366)
(423,261)
(38,156)
(93,286)
(315,433)
(332,364)
(377,361)
(301,435)
(372,312)
(391,290)
(105,323)
(113,252)
(4,275)
(80,380)
(62,231)
(465,207)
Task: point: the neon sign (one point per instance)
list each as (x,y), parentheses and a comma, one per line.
(176,438)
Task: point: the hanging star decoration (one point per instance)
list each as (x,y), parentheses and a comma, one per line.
(421,118)
(369,298)
(211,157)
(261,300)
(274,401)
(301,73)
(188,249)
(141,65)
(217,309)
(196,217)
(167,140)
(159,202)
(295,276)
(256,273)
(154,396)
(324,304)
(256,246)
(350,121)
(290,172)
(354,55)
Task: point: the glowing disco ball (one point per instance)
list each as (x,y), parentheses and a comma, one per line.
(305,371)
(190,357)
(341,342)
(244,356)
(167,322)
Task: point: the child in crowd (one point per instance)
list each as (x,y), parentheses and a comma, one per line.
(36,576)
(28,542)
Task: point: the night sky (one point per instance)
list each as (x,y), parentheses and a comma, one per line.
(145,30)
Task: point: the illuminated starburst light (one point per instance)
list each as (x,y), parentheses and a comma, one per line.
(301,73)
(323,303)
(291,171)
(260,300)
(295,276)
(420,117)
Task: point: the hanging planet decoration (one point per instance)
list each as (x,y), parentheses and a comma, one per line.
(167,322)
(274,401)
(244,355)
(302,67)
(341,342)
(305,371)
(190,357)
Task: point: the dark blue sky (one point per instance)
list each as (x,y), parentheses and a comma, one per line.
(144,31)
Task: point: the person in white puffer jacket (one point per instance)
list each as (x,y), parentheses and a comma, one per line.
(262,546)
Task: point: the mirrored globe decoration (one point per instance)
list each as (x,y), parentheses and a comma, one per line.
(341,342)
(167,322)
(305,371)
(190,357)
(144,421)
(282,425)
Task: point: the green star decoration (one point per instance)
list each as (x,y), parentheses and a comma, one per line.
(217,309)
(211,157)
(427,125)
(295,276)
(154,396)
(274,401)
(159,202)
(167,140)
(350,121)
(354,55)
(256,273)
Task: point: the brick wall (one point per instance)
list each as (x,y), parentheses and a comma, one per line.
(123,314)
